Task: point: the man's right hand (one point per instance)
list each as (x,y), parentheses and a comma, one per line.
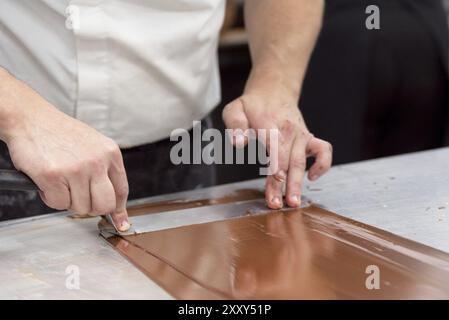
(75,167)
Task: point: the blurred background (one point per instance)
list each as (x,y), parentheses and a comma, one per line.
(371,93)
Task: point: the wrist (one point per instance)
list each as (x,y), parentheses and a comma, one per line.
(273,81)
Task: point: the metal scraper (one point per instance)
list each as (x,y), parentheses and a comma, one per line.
(178,218)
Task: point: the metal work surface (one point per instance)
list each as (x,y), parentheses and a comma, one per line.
(407,195)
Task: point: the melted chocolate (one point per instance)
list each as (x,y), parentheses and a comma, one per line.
(308,253)
(162,206)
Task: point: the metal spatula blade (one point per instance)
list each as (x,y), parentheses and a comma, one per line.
(178,218)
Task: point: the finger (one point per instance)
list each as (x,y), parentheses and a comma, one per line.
(269,136)
(296,170)
(273,192)
(80,194)
(322,151)
(117,176)
(53,189)
(280,143)
(56,198)
(102,195)
(235,119)
(285,138)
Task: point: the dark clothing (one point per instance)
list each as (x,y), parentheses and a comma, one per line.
(149,169)
(375,93)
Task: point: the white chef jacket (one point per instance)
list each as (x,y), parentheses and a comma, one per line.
(134,70)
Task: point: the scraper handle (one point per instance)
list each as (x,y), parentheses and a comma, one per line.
(15,180)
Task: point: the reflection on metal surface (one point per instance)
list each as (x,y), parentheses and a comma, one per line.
(308,253)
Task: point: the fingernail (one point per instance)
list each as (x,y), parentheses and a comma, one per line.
(280,176)
(294,199)
(314,177)
(276,201)
(124,226)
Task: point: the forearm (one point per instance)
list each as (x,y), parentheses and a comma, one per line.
(9,95)
(282,34)
(17,102)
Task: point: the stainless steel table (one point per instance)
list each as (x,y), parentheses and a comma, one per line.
(407,195)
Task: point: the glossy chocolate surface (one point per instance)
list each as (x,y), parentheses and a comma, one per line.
(308,253)
(178,204)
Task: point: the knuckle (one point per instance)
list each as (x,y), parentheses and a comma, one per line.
(113,150)
(324,145)
(122,191)
(51,174)
(53,201)
(298,162)
(304,134)
(96,165)
(105,208)
(228,111)
(323,164)
(288,126)
(74,169)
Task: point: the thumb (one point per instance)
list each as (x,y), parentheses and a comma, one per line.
(235,119)
(121,221)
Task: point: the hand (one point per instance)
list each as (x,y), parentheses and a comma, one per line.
(270,110)
(74,166)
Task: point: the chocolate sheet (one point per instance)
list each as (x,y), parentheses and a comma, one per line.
(156,207)
(308,253)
